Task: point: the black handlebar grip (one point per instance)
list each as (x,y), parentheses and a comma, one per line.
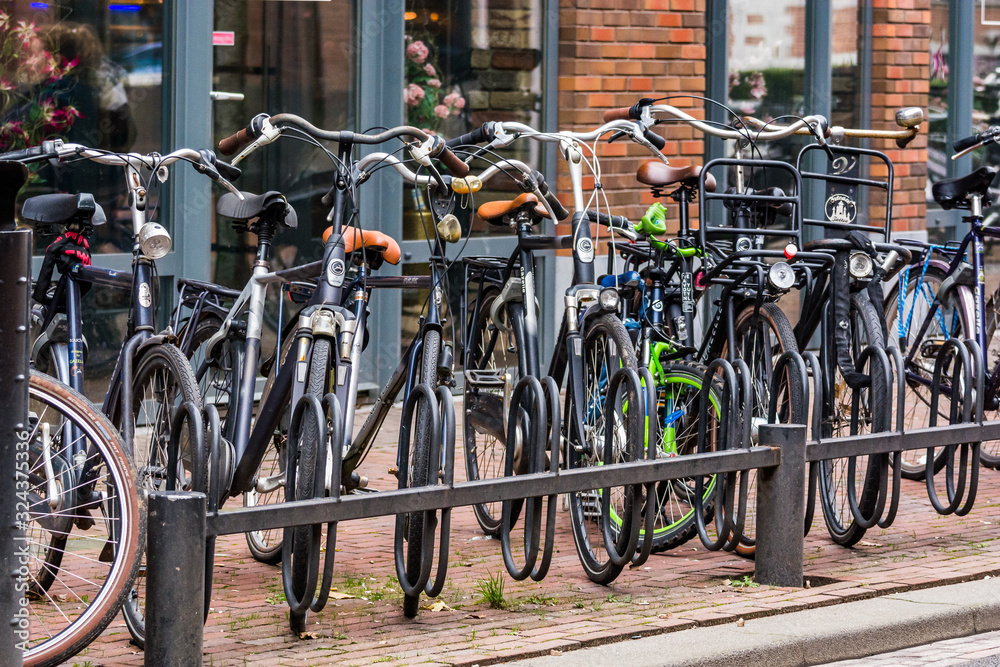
(235,143)
(480,135)
(456,167)
(21,155)
(619,221)
(558,209)
(962,144)
(655,139)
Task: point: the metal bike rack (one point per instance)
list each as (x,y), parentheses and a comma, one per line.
(182,523)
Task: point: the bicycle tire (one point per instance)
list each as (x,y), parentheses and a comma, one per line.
(598,331)
(122,509)
(490,349)
(678,393)
(420,465)
(309,450)
(953,322)
(218,382)
(840,522)
(162,382)
(751,341)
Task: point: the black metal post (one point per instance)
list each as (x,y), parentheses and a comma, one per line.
(781,507)
(15,272)
(175,579)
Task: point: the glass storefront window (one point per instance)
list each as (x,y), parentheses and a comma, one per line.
(87,73)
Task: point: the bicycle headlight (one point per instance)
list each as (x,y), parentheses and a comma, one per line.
(781,276)
(608,299)
(860,265)
(154,240)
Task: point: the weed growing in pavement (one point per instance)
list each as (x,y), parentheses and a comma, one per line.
(491,590)
(614,598)
(539,599)
(745,582)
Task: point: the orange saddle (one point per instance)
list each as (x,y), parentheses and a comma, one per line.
(368,239)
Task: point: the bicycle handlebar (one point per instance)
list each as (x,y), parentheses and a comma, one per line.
(908,118)
(969,144)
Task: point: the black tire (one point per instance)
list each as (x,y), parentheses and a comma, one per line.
(761,337)
(489,349)
(866,328)
(60,626)
(989,451)
(678,393)
(420,465)
(309,451)
(606,347)
(952,321)
(162,382)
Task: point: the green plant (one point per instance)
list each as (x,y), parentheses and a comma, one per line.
(745,582)
(491,590)
(423,96)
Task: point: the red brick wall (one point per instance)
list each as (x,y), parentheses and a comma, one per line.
(900,78)
(613,52)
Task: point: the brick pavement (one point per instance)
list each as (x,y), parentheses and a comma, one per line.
(679,589)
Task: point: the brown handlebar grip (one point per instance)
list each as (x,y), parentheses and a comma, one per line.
(234,144)
(621,113)
(905,141)
(456,167)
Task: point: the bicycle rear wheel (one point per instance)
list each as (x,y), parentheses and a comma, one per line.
(873,417)
(606,348)
(83,544)
(162,382)
(904,318)
(989,451)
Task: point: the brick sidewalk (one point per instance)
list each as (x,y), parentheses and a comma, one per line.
(675,590)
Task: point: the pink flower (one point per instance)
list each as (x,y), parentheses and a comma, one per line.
(417,52)
(430,70)
(413,95)
(441,111)
(434,83)
(46,111)
(451,98)
(4,19)
(460,103)
(5,85)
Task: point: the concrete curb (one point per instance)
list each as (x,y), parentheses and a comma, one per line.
(812,637)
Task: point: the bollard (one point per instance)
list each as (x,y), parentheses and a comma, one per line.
(15,270)
(781,508)
(175,579)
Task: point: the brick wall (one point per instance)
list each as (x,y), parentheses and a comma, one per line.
(900,77)
(613,52)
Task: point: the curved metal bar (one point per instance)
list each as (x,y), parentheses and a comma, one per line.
(335,417)
(899,367)
(810,358)
(786,358)
(296,604)
(742,490)
(962,363)
(551,389)
(620,553)
(531,447)
(869,355)
(652,445)
(446,465)
(729,421)
(215,434)
(979,380)
(421,391)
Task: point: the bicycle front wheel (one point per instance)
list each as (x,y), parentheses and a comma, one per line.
(162,382)
(84,542)
(905,315)
(872,416)
(606,348)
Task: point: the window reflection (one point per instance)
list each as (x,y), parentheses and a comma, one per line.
(88,74)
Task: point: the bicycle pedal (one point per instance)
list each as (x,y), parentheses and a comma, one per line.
(492,379)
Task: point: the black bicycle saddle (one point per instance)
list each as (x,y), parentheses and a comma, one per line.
(952,192)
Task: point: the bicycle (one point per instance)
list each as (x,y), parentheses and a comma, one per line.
(321,376)
(151,379)
(940,296)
